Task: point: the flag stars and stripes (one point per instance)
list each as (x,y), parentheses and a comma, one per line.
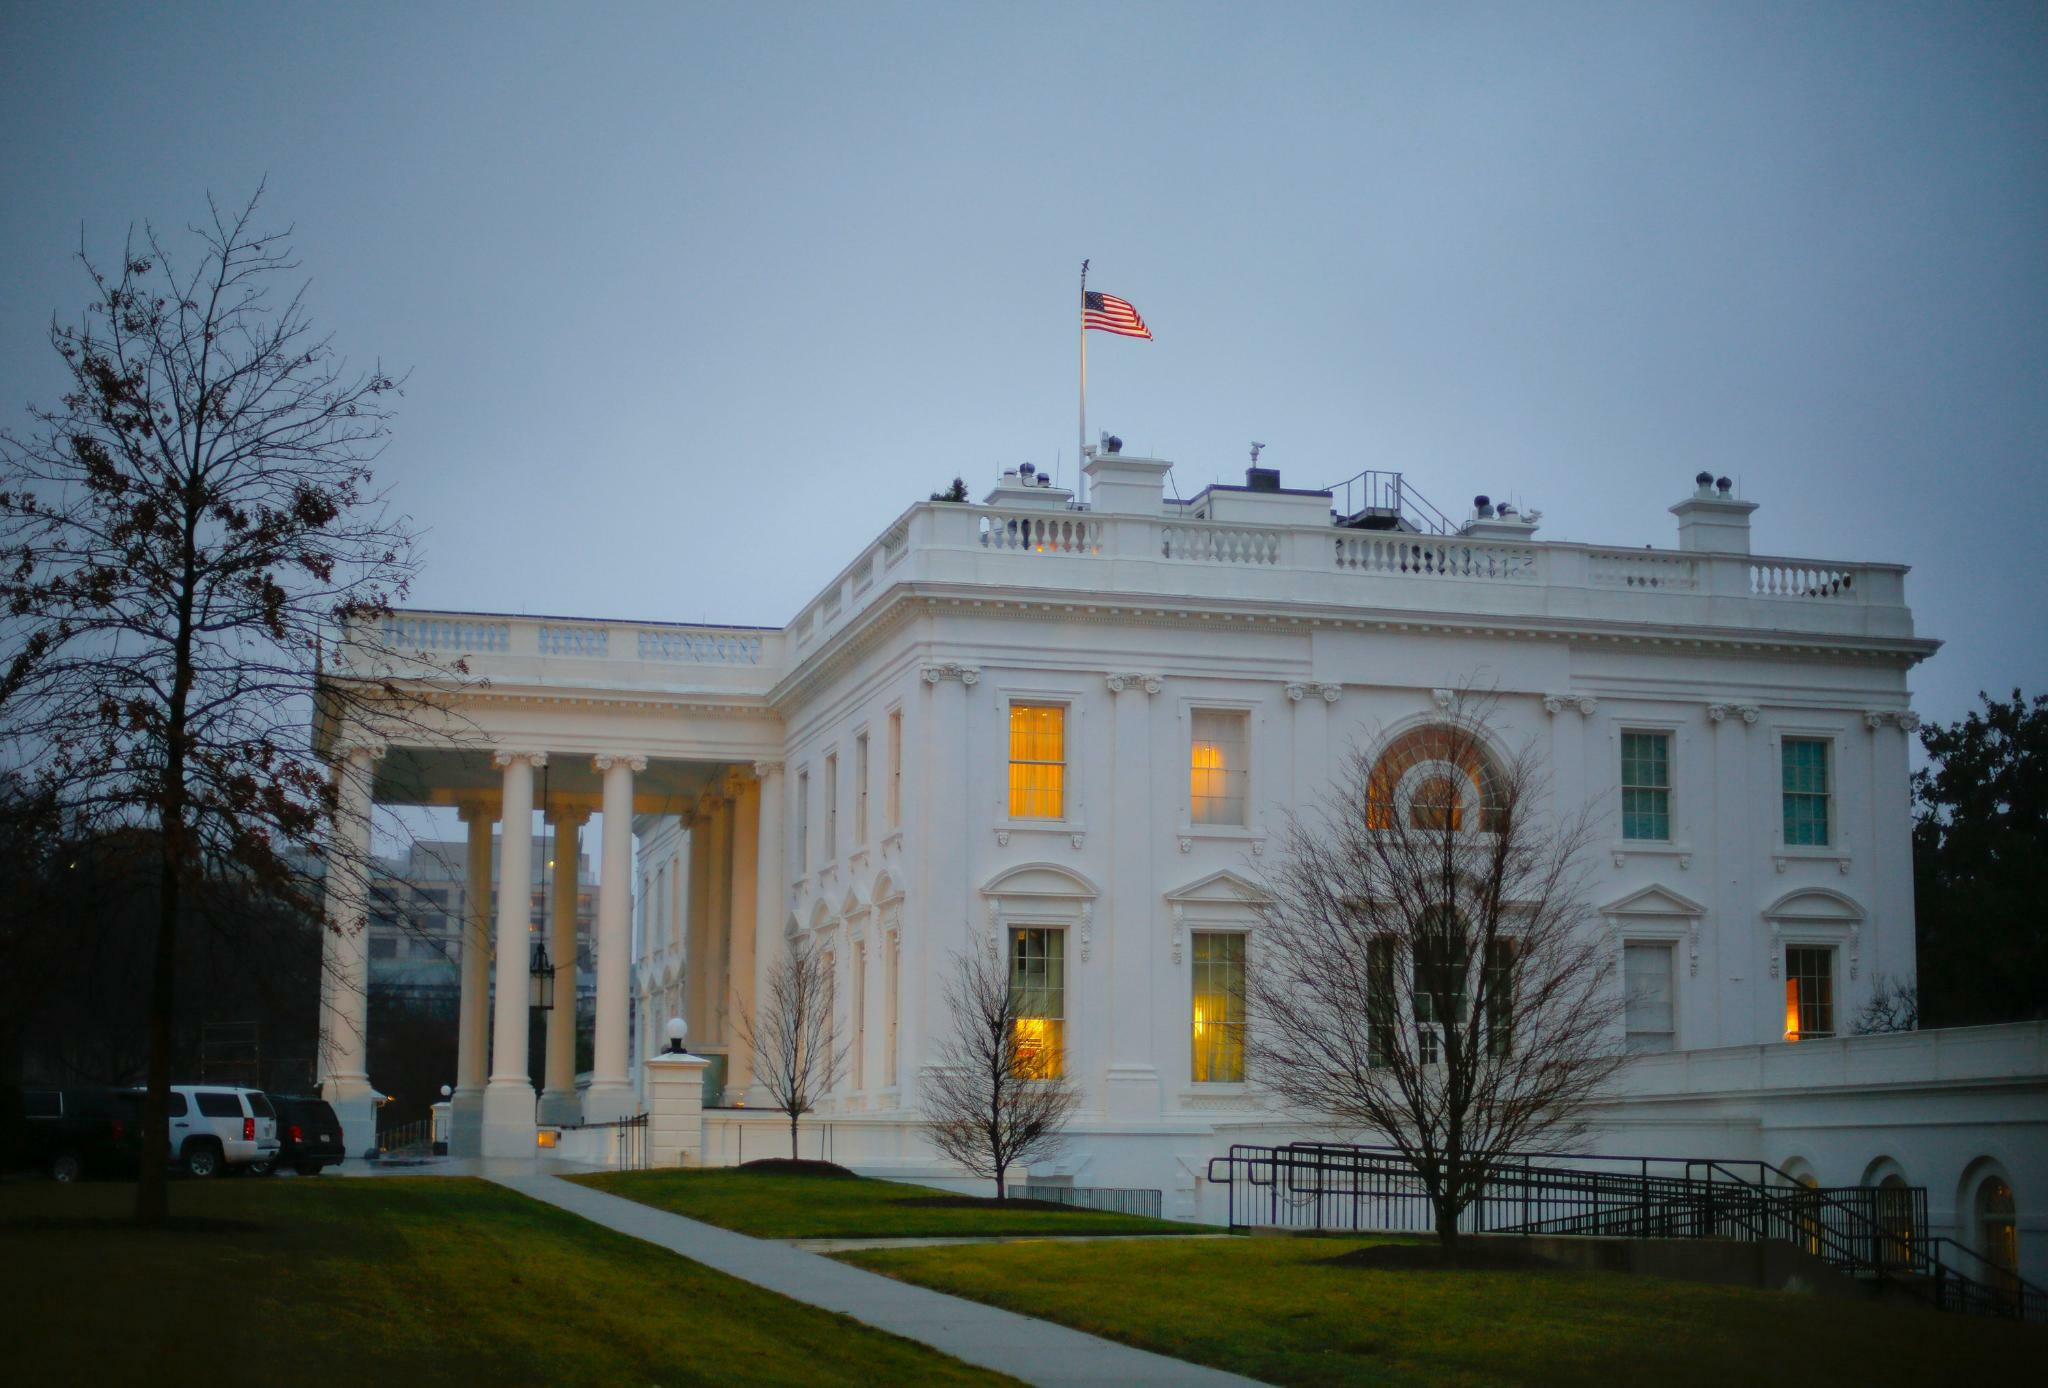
(1108,313)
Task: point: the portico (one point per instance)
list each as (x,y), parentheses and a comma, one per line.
(553,734)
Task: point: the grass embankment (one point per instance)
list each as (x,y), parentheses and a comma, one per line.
(1276,1309)
(394,1281)
(774,1205)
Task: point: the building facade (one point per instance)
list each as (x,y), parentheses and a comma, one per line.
(1071,734)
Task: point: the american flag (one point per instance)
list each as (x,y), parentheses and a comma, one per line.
(1112,315)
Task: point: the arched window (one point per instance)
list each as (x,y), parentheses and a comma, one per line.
(1434,774)
(1997,1227)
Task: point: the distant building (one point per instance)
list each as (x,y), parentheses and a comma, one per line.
(417,906)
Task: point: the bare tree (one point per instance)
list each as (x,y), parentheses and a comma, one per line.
(1894,1005)
(181,534)
(794,1038)
(995,1099)
(1426,970)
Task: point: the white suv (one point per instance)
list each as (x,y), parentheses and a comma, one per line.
(215,1126)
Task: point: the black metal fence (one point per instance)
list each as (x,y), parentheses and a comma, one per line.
(1109,1198)
(1862,1230)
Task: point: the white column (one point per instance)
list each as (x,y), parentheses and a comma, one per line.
(345,960)
(768,894)
(508,1098)
(697,925)
(610,1095)
(473,1037)
(742,921)
(558,1103)
(718,925)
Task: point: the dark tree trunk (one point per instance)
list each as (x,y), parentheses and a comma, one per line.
(792,1135)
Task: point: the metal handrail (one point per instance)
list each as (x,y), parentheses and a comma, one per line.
(1331,1186)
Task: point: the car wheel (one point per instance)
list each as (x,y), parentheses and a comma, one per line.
(202,1160)
(65,1168)
(262,1168)
(309,1168)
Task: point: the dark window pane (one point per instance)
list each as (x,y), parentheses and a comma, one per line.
(218,1103)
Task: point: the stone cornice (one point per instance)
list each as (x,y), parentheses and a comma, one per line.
(903,603)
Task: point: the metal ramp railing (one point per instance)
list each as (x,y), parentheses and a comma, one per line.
(1863,1231)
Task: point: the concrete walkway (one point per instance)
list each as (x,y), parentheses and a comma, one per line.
(1035,1351)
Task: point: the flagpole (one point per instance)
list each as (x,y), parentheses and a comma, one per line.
(1081,456)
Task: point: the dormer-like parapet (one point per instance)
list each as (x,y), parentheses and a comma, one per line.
(1027,488)
(1711,520)
(1120,485)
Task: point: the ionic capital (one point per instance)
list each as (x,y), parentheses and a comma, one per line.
(1151,684)
(569,816)
(764,769)
(1581,704)
(505,757)
(966,674)
(632,761)
(477,809)
(1748,713)
(359,749)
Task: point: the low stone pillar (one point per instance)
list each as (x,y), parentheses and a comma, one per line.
(675,1109)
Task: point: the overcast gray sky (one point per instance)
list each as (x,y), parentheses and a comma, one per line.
(696,298)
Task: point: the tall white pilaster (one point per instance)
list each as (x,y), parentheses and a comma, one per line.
(610,1095)
(345,958)
(1131,1088)
(508,1098)
(558,1103)
(473,1037)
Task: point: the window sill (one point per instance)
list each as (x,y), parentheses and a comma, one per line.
(1075,834)
(1624,849)
(1838,854)
(1218,1096)
(1192,834)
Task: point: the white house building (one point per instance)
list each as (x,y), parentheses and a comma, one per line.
(1071,733)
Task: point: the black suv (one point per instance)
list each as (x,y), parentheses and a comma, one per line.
(71,1133)
(308,1134)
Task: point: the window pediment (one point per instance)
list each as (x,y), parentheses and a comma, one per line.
(1816,904)
(1047,880)
(1224,888)
(1654,901)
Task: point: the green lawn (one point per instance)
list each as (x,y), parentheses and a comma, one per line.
(394,1281)
(780,1206)
(1267,1308)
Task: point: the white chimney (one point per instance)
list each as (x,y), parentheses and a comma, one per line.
(1711,520)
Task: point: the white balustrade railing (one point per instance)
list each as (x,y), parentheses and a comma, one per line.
(1041,532)
(452,634)
(702,647)
(1431,556)
(1219,544)
(589,642)
(1631,568)
(1802,578)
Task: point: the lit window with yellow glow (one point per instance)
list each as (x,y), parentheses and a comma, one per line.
(1038,993)
(1038,761)
(1217,762)
(1218,1008)
(1809,993)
